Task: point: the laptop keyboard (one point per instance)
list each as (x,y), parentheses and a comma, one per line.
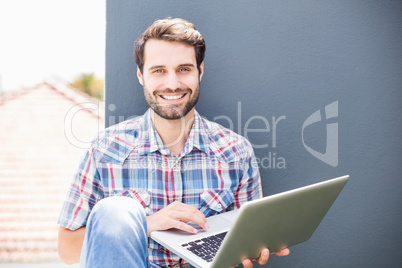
(206,247)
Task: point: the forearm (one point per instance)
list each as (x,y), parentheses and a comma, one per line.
(70,244)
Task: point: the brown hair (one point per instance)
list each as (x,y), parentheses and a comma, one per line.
(169,29)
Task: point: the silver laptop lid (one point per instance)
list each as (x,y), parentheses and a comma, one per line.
(278,221)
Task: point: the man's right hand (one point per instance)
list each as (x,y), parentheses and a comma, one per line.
(176,215)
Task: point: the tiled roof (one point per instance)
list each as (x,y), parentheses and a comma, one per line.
(37,162)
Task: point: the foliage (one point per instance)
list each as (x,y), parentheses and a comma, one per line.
(88,83)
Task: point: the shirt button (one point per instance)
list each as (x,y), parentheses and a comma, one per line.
(219,206)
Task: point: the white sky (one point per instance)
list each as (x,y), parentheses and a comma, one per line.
(50,38)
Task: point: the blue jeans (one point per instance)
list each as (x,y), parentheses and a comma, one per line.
(116,235)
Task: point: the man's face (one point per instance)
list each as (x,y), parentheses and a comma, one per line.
(170,78)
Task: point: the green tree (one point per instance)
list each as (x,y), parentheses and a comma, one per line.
(88,83)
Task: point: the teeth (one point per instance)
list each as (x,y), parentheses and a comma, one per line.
(173,97)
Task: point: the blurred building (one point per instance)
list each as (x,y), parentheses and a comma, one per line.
(43,132)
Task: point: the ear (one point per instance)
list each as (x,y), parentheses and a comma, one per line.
(201,70)
(140,76)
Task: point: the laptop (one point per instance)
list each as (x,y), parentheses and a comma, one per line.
(276,222)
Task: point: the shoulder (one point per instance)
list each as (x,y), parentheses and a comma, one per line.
(115,142)
(225,143)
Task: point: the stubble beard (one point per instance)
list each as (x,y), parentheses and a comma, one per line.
(171,111)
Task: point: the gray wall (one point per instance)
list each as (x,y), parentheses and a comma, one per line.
(289,59)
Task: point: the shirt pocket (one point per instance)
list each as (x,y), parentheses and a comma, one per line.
(142,196)
(215,201)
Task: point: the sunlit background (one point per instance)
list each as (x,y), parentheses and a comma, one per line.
(52,62)
(50,38)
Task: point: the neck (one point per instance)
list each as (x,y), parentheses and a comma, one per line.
(174,133)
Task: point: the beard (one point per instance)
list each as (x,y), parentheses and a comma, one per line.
(172,111)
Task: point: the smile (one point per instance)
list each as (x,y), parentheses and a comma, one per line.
(175,97)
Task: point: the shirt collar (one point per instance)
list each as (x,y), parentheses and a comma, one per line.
(199,134)
(150,141)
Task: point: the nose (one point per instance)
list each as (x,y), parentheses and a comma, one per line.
(172,81)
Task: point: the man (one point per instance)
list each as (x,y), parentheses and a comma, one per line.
(160,170)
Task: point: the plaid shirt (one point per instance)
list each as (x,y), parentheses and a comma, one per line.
(214,172)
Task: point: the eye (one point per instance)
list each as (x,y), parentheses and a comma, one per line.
(185,69)
(158,71)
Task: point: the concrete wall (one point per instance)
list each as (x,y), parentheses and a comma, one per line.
(270,65)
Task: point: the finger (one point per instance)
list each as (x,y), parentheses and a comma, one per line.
(182,226)
(263,259)
(187,214)
(247,263)
(282,252)
(189,208)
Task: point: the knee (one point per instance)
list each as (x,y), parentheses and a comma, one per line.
(118,210)
(116,226)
